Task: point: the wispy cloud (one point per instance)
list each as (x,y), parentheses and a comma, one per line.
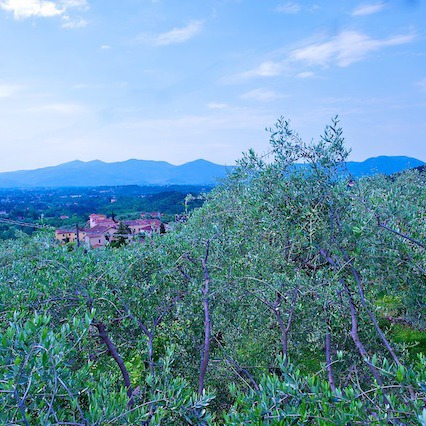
(368,9)
(305,74)
(71,24)
(265,69)
(290,8)
(345,48)
(81,4)
(9,90)
(217,105)
(174,36)
(262,95)
(421,84)
(59,108)
(23,9)
(341,50)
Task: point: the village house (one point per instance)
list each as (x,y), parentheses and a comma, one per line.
(100,230)
(98,236)
(101,220)
(66,235)
(147,226)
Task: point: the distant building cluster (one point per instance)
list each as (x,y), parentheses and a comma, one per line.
(101,230)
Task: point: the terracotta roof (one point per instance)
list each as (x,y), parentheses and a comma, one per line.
(65,231)
(150,223)
(98,230)
(106,222)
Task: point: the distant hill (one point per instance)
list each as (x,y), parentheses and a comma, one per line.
(143,172)
(130,172)
(383,164)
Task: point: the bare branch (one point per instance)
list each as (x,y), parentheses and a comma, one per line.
(166,310)
(382,336)
(354,330)
(21,406)
(114,353)
(180,269)
(243,371)
(73,399)
(207,322)
(394,231)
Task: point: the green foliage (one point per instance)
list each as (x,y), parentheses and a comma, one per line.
(42,381)
(37,383)
(122,238)
(293,398)
(414,340)
(299,266)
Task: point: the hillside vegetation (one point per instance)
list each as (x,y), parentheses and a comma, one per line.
(291,297)
(68,207)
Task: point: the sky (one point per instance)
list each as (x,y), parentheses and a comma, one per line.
(179,80)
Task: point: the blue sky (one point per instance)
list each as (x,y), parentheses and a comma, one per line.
(178,80)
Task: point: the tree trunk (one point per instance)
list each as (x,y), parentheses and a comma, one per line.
(114,353)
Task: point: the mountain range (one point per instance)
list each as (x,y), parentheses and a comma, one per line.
(143,172)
